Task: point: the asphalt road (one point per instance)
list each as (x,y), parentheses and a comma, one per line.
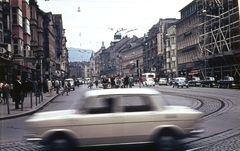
(221,107)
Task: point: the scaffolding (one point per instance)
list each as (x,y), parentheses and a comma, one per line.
(219,38)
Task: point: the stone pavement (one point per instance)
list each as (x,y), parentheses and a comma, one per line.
(29,106)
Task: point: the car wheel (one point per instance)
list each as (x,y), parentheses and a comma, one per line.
(166,143)
(61,144)
(186,86)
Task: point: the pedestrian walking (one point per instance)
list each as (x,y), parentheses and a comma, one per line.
(90,83)
(49,85)
(130,81)
(112,80)
(65,88)
(57,84)
(45,86)
(17,90)
(5,91)
(96,83)
(126,82)
(34,86)
(25,87)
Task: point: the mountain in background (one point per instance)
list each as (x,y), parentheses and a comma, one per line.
(79,55)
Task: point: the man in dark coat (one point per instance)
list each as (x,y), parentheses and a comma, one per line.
(17,90)
(126,82)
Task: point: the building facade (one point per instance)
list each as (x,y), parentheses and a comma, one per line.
(6,49)
(31,41)
(171,53)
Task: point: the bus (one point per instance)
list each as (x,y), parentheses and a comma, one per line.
(148,75)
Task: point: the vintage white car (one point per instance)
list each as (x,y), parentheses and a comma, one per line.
(149,82)
(115,117)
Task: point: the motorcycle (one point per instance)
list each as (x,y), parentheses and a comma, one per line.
(90,85)
(105,85)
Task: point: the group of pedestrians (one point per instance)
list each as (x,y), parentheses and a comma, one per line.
(13,90)
(4,91)
(49,85)
(118,81)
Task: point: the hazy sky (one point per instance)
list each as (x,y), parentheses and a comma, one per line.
(89,27)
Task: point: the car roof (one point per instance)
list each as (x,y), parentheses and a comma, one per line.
(180,78)
(69,79)
(125,91)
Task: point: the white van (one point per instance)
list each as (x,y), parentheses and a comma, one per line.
(162,81)
(71,82)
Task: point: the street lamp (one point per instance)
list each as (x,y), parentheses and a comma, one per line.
(39,56)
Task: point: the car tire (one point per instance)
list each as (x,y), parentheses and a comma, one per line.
(186,86)
(61,144)
(166,143)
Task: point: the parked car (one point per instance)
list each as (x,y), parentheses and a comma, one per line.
(113,117)
(180,82)
(71,83)
(208,81)
(194,81)
(162,81)
(228,82)
(80,81)
(149,82)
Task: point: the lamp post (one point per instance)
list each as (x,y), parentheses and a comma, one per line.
(39,57)
(205,36)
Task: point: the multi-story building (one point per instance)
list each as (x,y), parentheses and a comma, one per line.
(58,27)
(21,37)
(64,66)
(219,38)
(36,53)
(132,54)
(97,60)
(31,42)
(116,58)
(161,59)
(208,39)
(150,57)
(171,53)
(6,49)
(154,48)
(187,41)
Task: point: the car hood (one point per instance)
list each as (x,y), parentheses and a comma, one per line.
(62,114)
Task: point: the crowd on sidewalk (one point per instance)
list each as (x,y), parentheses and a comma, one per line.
(18,90)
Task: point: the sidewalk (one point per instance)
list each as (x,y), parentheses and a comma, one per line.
(27,109)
